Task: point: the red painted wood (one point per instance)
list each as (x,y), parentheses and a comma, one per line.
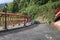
(56,25)
(12,14)
(57,10)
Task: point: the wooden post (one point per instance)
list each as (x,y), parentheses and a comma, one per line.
(5,10)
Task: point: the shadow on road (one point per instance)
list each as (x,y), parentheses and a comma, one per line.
(2,33)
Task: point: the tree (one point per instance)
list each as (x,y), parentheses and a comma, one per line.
(40,2)
(10,7)
(5,8)
(15,6)
(54,0)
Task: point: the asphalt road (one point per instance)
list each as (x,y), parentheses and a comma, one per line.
(35,32)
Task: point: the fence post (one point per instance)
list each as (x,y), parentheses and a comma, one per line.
(25,18)
(5,10)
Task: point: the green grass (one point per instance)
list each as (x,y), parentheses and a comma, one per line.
(47,11)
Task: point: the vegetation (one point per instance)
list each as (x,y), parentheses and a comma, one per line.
(39,8)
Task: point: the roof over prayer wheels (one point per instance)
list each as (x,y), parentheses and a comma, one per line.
(57,11)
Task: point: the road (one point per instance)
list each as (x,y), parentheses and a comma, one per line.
(35,32)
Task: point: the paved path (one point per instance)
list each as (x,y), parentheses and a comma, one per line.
(35,32)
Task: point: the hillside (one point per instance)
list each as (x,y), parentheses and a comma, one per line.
(41,9)
(1,5)
(47,12)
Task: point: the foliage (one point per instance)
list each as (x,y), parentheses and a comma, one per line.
(10,5)
(38,8)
